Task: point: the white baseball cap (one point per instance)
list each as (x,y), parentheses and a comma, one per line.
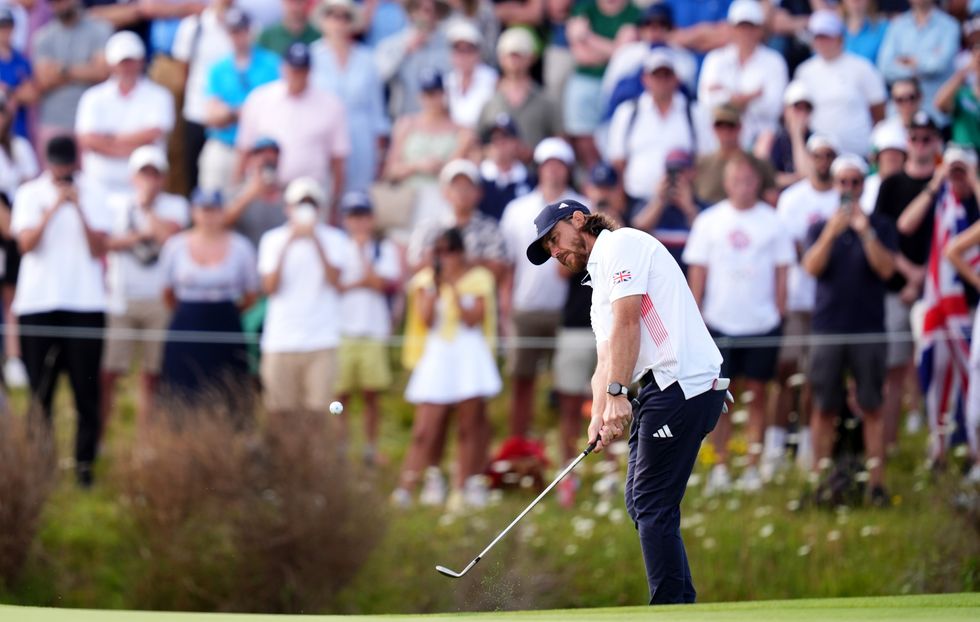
(148,155)
(124,45)
(848,161)
(821,141)
(746,11)
(825,23)
(658,58)
(457,167)
(795,93)
(960,153)
(554,148)
(463,30)
(304,188)
(890,136)
(516,40)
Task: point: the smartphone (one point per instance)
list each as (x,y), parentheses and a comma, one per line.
(269,175)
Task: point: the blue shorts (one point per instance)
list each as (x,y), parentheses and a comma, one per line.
(583,104)
(665,438)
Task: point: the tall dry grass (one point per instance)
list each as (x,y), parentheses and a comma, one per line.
(266,518)
(27,469)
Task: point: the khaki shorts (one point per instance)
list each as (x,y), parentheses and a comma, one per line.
(296,380)
(523,359)
(151,316)
(575,361)
(797,328)
(364,365)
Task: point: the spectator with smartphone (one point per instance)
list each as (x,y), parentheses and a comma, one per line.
(62,222)
(851,255)
(258,205)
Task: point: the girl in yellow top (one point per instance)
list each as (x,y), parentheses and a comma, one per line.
(451,313)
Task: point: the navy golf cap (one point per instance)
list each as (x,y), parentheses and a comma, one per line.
(603,175)
(298,55)
(546,221)
(356,202)
(430,80)
(6,16)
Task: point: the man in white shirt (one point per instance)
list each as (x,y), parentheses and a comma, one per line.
(200,42)
(532,297)
(300,264)
(746,74)
(648,329)
(60,224)
(848,92)
(121,114)
(737,256)
(643,131)
(471,83)
(370,275)
(802,204)
(142,220)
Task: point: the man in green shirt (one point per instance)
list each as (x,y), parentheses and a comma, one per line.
(294,27)
(959,97)
(595,31)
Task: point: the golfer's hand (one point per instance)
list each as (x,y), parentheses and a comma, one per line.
(615,419)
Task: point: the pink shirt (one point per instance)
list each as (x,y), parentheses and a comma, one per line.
(311,129)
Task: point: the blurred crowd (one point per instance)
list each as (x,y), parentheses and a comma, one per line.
(222,195)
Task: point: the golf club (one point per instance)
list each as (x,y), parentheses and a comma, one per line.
(565,471)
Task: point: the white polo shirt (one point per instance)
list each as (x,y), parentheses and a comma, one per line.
(800,206)
(465,108)
(723,76)
(674,342)
(103,109)
(304,313)
(60,274)
(843,90)
(741,250)
(645,139)
(130,279)
(364,311)
(536,288)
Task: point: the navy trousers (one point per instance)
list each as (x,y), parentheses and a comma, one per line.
(664,442)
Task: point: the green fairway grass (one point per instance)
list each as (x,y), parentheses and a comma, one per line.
(931,608)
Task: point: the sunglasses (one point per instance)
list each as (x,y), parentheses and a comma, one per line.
(922,139)
(906,99)
(803,106)
(850,182)
(725,125)
(339,14)
(465,48)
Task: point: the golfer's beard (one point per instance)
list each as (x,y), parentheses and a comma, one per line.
(576,259)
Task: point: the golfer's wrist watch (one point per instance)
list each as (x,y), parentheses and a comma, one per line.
(615,389)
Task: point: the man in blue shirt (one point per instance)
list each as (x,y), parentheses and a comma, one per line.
(15,73)
(921,43)
(229,83)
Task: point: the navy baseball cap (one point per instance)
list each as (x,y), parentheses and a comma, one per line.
(6,16)
(658,14)
(503,123)
(545,222)
(237,19)
(603,175)
(265,142)
(356,202)
(298,55)
(923,121)
(430,80)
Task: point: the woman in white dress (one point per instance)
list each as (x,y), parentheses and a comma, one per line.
(451,315)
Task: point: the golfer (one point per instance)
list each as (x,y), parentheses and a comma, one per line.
(648,330)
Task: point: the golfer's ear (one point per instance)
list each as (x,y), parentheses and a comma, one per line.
(578,218)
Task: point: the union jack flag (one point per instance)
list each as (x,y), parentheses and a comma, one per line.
(622,277)
(945,339)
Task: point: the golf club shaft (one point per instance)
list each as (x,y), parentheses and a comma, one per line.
(544,492)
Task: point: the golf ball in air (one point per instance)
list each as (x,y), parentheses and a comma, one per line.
(336,408)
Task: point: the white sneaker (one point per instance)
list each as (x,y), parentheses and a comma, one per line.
(750,481)
(475,491)
(15,373)
(718,481)
(434,487)
(973,476)
(401,499)
(913,422)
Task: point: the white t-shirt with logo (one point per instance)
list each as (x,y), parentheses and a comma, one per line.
(364,311)
(800,206)
(129,278)
(674,342)
(304,313)
(103,109)
(536,288)
(843,92)
(741,250)
(59,274)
